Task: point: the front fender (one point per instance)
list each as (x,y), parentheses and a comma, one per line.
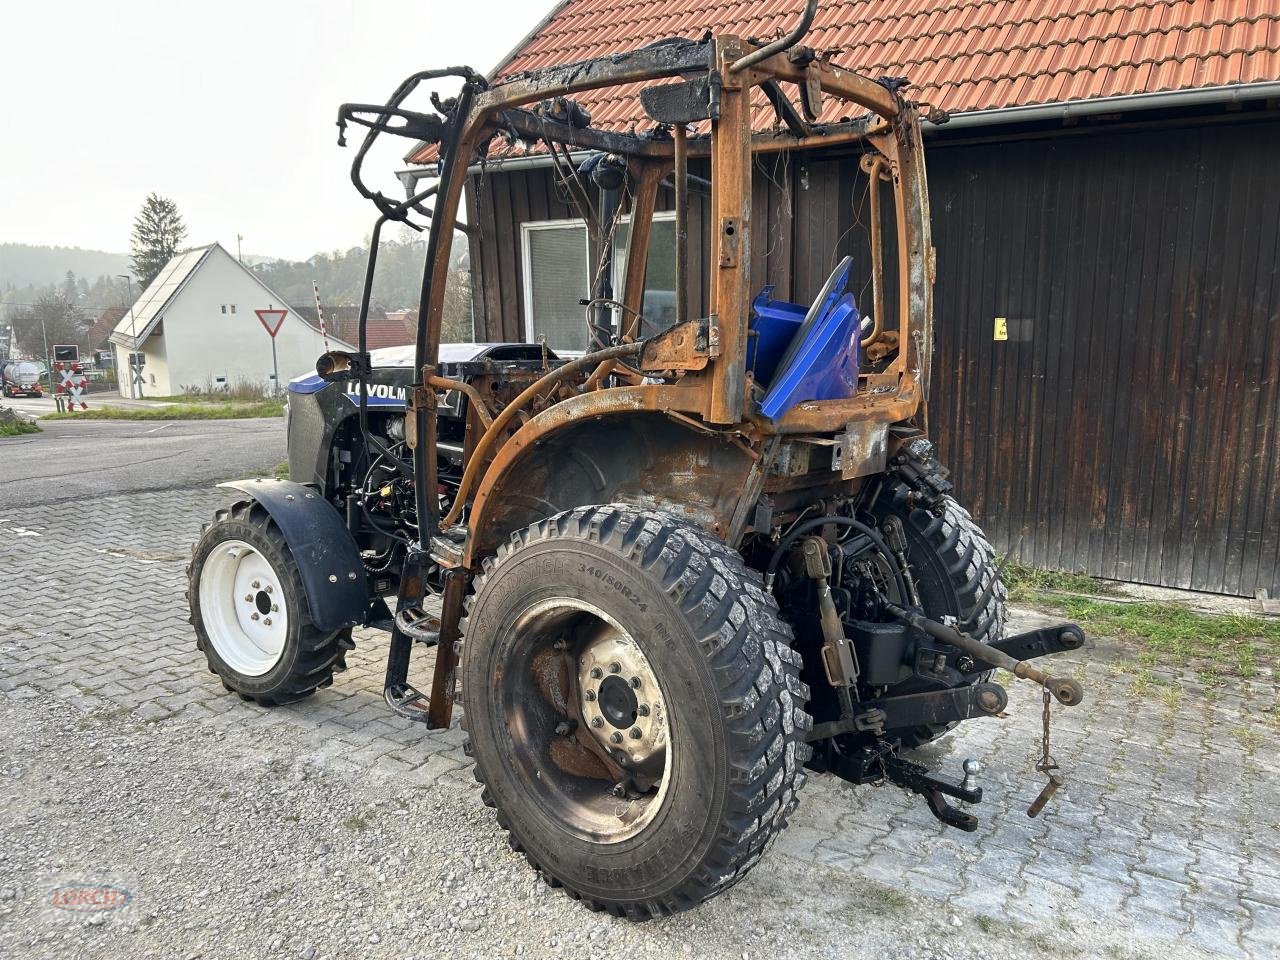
(328,560)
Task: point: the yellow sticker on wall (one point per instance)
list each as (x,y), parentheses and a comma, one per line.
(1002,329)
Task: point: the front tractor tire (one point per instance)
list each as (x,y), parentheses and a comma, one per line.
(249,610)
(634,707)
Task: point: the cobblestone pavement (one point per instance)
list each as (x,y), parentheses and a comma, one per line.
(1165,843)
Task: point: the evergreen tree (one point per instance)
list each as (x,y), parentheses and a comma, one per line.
(158,232)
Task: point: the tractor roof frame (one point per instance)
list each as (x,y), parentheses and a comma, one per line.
(890,131)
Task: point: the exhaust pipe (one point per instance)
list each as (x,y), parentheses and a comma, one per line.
(782,43)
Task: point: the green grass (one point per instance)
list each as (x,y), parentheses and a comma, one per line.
(18,427)
(279,472)
(178,411)
(359,821)
(218,397)
(1026,584)
(1217,646)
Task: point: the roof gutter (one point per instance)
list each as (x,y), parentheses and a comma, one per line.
(1232,93)
(413,175)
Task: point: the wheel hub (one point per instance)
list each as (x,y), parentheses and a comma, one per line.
(595,753)
(242,604)
(621,702)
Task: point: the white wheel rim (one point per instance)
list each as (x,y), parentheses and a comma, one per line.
(243,608)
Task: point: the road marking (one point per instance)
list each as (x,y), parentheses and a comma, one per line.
(161,427)
(19,531)
(121,553)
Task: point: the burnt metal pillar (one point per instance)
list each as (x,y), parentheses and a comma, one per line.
(731,216)
(681,149)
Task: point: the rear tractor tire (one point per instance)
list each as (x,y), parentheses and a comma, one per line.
(956,575)
(249,610)
(634,707)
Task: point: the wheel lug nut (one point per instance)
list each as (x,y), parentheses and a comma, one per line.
(589,695)
(256,584)
(616,738)
(597,721)
(615,667)
(267,621)
(596,673)
(270,589)
(635,683)
(635,733)
(248,598)
(253,616)
(642,710)
(275,608)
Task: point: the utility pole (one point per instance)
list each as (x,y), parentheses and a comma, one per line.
(239,255)
(133,333)
(48,358)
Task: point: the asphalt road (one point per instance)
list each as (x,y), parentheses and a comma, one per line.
(38,406)
(76,459)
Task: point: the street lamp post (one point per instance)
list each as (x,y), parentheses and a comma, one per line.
(133,334)
(48,359)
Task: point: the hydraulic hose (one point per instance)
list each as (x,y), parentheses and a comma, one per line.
(782,43)
(800,530)
(500,422)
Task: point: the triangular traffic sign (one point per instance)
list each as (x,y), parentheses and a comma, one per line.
(272,320)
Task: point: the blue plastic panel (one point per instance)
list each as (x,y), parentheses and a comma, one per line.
(775,324)
(823,366)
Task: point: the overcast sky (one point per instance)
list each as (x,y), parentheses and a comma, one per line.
(226,106)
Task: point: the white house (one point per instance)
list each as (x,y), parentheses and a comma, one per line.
(196,327)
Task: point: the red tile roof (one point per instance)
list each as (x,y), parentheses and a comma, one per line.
(394,330)
(960,55)
(96,338)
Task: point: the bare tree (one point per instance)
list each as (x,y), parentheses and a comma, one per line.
(53,315)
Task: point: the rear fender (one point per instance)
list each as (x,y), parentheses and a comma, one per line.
(328,560)
(645,459)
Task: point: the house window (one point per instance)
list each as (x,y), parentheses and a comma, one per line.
(224,308)
(557,274)
(233,308)
(555,279)
(659,304)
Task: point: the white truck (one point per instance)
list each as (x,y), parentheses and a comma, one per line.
(21,378)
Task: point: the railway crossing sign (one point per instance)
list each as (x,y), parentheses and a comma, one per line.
(73,383)
(271,321)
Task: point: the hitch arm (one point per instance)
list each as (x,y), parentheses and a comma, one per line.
(918,709)
(1067,691)
(935,788)
(1041,642)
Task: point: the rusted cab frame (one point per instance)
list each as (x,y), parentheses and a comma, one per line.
(707,384)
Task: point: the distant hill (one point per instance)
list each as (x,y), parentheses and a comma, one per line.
(22,264)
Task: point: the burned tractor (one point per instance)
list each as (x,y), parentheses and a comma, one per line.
(671,573)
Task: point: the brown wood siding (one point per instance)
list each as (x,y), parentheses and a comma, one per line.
(1128,428)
